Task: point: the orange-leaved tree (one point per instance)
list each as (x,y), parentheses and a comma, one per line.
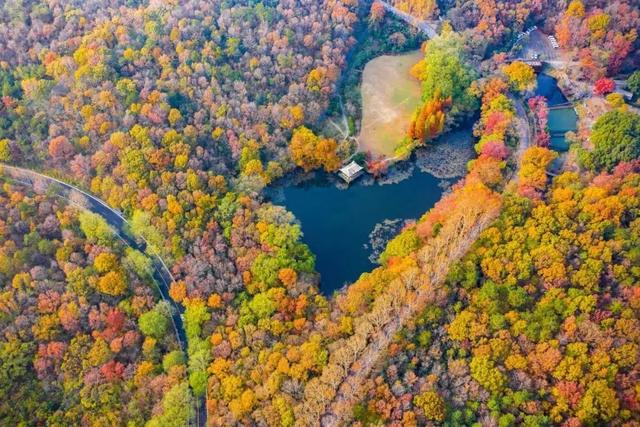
(310,152)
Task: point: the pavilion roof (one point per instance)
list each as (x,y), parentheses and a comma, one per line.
(351,169)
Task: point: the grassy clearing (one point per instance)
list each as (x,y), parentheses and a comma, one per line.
(389,97)
(389,37)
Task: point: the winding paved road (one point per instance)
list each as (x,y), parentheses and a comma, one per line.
(161,274)
(524,129)
(424,26)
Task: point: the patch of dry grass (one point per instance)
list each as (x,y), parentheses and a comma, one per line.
(390,95)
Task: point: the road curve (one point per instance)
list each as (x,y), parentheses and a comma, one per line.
(84,200)
(161,274)
(424,26)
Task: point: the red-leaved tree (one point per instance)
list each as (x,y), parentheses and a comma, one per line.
(604,86)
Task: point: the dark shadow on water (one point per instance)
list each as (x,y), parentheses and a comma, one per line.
(548,87)
(336,222)
(560,120)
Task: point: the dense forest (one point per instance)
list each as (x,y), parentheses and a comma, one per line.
(536,325)
(513,301)
(85,339)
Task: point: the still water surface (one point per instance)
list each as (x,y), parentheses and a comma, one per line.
(561,120)
(337,222)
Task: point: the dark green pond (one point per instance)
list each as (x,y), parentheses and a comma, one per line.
(561,120)
(337,222)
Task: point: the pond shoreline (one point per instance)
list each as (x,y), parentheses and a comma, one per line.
(347,226)
(560,120)
(456,147)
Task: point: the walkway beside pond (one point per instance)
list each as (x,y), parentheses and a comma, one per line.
(353,359)
(562,116)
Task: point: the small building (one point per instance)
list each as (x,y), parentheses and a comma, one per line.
(350,171)
(534,63)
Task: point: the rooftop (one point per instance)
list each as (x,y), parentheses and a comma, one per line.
(350,171)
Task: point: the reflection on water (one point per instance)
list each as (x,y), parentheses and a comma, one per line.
(548,87)
(337,222)
(561,120)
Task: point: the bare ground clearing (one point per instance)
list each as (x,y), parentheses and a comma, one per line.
(390,95)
